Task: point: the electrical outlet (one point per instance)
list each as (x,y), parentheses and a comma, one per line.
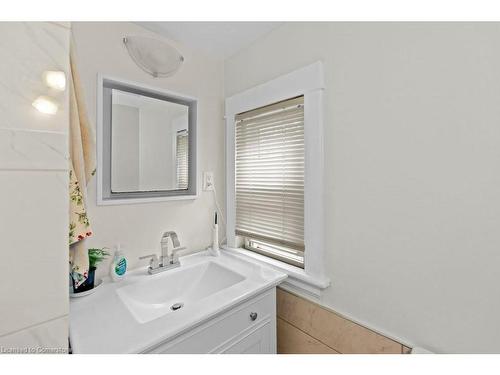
(208,181)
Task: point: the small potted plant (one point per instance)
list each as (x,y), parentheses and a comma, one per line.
(96,256)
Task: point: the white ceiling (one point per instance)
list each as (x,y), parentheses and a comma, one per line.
(218,39)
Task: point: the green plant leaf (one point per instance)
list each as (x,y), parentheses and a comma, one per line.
(96,256)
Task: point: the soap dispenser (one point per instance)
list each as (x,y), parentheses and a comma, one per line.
(118,266)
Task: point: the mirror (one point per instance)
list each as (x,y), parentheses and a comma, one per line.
(148,139)
(149,150)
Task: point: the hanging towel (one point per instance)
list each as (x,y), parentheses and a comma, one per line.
(82,139)
(82,168)
(79,228)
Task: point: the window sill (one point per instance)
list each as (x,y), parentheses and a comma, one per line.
(298,280)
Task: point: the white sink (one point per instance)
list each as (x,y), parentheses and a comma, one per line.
(172,290)
(135,315)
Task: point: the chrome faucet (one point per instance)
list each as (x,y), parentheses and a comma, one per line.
(169,257)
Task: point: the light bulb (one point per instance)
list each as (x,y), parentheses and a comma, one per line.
(46,105)
(55,79)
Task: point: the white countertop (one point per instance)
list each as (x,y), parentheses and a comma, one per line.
(101,323)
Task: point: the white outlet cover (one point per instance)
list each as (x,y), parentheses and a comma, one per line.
(208,181)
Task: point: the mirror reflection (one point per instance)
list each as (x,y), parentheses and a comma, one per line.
(149,144)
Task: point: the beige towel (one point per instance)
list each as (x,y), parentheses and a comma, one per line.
(82,168)
(82,139)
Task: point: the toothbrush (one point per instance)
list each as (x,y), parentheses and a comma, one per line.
(215,237)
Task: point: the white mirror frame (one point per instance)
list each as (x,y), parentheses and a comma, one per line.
(143,197)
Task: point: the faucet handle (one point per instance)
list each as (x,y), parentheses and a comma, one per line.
(153,263)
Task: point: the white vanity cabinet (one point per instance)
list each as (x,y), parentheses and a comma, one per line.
(249,327)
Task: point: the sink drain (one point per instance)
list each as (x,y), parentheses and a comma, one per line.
(176,306)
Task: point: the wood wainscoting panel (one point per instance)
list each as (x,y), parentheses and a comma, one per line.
(334,331)
(292,340)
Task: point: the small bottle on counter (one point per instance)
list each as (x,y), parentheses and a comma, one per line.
(118,267)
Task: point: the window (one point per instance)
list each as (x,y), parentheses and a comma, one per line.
(181,158)
(274,177)
(269,174)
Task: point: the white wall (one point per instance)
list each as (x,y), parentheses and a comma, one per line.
(412,144)
(139,226)
(34,190)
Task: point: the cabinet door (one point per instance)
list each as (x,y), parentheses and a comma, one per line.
(257,342)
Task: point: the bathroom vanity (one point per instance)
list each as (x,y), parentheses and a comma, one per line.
(221,304)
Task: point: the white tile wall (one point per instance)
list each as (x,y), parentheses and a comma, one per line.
(47,338)
(33,235)
(33,189)
(27,49)
(31,149)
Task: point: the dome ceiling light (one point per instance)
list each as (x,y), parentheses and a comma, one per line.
(154,56)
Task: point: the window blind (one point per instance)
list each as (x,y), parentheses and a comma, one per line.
(182,159)
(270,177)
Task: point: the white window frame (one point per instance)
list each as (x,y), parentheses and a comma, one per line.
(309,82)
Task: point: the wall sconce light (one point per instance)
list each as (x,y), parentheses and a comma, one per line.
(45,104)
(154,56)
(55,79)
